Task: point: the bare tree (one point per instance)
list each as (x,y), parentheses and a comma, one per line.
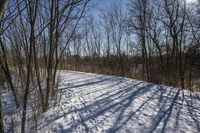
(138,24)
(3,4)
(117,18)
(2,7)
(176,23)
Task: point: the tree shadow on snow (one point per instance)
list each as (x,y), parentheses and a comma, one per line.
(167,105)
(122,100)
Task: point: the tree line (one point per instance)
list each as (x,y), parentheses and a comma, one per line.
(153,40)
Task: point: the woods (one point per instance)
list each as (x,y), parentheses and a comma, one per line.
(153,40)
(31,49)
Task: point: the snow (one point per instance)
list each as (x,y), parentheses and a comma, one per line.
(99,103)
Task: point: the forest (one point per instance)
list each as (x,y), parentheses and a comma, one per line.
(157,41)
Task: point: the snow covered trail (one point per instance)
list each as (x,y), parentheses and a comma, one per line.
(98,103)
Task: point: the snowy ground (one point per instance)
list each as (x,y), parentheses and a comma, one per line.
(96,103)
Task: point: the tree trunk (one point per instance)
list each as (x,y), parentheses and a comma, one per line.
(1,117)
(3,4)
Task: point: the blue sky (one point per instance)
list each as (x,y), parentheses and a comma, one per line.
(103,4)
